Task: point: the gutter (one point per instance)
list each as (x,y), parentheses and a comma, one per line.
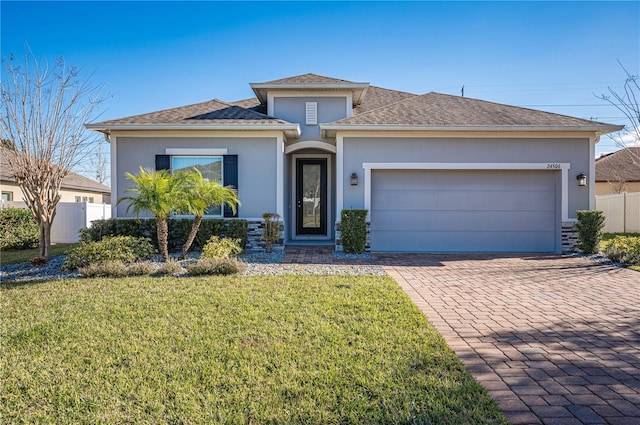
(598,129)
(106,129)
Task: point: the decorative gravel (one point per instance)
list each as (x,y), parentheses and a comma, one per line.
(257,264)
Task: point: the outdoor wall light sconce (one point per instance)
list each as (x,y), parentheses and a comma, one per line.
(354,179)
(582,179)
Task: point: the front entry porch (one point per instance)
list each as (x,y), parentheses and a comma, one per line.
(309,217)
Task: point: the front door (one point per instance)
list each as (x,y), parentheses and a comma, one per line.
(311,196)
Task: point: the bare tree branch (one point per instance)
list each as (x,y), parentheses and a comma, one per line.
(42,114)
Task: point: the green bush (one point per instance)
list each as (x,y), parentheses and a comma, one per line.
(590,225)
(18,229)
(216,266)
(624,249)
(104,269)
(221,248)
(354,231)
(118,248)
(178,230)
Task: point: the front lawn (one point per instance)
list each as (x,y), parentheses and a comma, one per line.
(14,256)
(245,349)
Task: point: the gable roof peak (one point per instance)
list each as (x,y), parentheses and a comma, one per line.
(307,78)
(310,82)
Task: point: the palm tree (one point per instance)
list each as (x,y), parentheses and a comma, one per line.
(157,192)
(198,194)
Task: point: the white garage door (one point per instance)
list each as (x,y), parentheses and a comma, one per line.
(463,211)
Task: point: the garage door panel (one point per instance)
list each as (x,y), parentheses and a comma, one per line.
(467,221)
(459,179)
(467,211)
(423,241)
(484,200)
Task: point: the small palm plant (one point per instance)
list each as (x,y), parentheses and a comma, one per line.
(159,193)
(198,194)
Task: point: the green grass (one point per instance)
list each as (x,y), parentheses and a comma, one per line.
(281,349)
(22,255)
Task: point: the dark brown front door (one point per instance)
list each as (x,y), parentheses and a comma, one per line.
(311,196)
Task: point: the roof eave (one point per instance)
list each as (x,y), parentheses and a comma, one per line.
(291,130)
(329,129)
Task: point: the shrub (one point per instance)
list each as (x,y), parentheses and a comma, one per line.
(178,230)
(118,248)
(140,268)
(221,248)
(624,249)
(104,269)
(216,266)
(354,231)
(590,225)
(18,229)
(170,267)
(271,233)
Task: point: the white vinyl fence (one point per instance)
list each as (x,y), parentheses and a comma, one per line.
(70,218)
(622,212)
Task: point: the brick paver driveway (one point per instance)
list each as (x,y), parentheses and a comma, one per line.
(555,340)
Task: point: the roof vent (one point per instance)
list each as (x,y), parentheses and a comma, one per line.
(312,113)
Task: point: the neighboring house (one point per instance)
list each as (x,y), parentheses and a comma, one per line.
(618,172)
(438,173)
(74,188)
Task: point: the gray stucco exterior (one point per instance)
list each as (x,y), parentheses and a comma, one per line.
(292,109)
(357,151)
(256,166)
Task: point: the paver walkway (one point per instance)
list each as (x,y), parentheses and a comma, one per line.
(555,340)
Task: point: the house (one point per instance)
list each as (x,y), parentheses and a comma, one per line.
(437,173)
(618,172)
(74,188)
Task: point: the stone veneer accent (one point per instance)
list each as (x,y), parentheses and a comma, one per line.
(338,229)
(569,237)
(255,228)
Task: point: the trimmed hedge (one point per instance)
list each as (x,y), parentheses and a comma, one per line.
(18,229)
(590,225)
(354,231)
(127,249)
(178,230)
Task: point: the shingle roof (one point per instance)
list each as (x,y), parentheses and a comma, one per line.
(211,112)
(437,109)
(375,97)
(252,103)
(623,165)
(71,181)
(307,78)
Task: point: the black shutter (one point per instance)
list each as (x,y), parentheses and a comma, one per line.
(163,162)
(230,173)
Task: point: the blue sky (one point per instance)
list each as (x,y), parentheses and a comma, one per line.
(154,55)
